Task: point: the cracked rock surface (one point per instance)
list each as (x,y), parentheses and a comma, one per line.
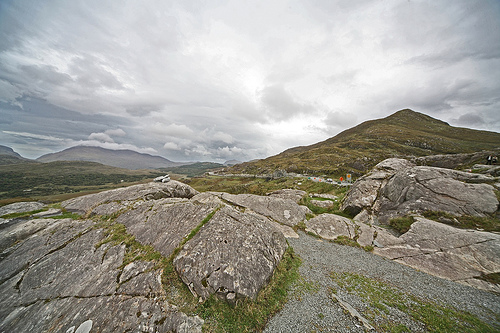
(57,279)
(233,255)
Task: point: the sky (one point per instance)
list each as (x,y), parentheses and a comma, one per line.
(221,80)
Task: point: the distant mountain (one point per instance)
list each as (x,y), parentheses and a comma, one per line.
(127,159)
(356,150)
(9,156)
(232,162)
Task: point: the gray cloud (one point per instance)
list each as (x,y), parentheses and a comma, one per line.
(203,80)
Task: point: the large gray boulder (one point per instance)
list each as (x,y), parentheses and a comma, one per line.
(234,255)
(290,194)
(164,223)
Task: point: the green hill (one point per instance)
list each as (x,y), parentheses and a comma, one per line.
(356,150)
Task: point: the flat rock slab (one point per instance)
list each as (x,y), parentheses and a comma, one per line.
(54,278)
(149,191)
(233,256)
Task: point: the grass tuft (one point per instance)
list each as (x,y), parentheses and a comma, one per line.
(402,224)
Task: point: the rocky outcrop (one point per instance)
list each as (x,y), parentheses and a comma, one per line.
(455,161)
(69,275)
(420,188)
(396,187)
(290,194)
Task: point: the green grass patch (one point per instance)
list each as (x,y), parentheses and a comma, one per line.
(383,298)
(402,224)
(465,222)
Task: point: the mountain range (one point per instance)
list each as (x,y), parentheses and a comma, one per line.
(356,150)
(127,159)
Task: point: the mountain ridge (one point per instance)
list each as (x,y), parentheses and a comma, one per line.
(357,149)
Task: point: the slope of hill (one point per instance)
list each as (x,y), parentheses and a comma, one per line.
(356,150)
(128,159)
(9,156)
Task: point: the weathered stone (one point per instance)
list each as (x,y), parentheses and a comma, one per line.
(208,198)
(233,253)
(149,191)
(58,280)
(283,211)
(324,196)
(287,231)
(322,203)
(290,194)
(454,161)
(48,213)
(164,223)
(395,187)
(20,207)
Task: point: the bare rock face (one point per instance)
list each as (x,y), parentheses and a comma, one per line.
(331,226)
(233,255)
(63,275)
(418,189)
(114,200)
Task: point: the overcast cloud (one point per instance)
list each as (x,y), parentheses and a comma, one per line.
(220,80)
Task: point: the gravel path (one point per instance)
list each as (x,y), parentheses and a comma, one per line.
(313,310)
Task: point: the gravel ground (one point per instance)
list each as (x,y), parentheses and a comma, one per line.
(316,311)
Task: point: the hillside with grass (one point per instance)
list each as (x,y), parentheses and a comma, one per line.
(356,150)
